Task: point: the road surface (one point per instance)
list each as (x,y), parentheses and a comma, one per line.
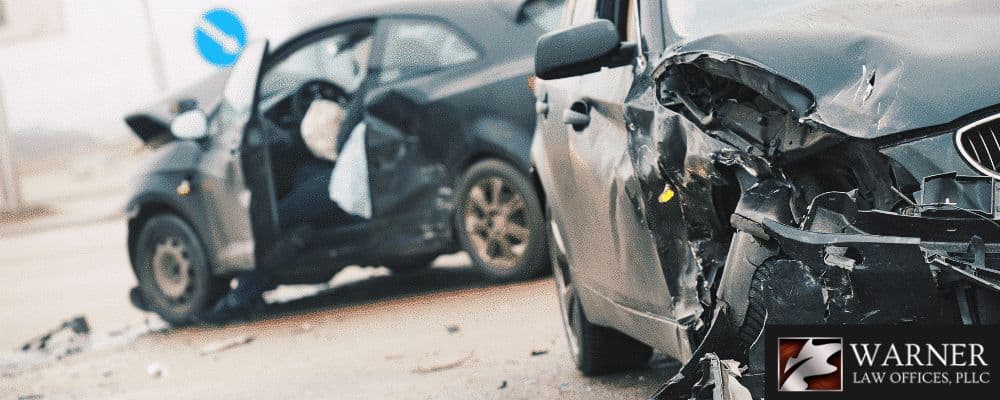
(444,333)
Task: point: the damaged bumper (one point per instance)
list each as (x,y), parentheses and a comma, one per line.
(849,267)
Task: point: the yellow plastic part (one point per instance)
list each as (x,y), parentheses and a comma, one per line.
(668,193)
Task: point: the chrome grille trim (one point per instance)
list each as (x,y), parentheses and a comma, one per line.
(980,146)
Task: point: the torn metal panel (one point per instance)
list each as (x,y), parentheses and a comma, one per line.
(670,152)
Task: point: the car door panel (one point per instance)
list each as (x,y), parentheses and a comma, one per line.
(227,175)
(403,177)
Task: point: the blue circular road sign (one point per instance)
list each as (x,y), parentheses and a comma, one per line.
(220,37)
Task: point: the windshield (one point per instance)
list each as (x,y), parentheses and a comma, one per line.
(341,58)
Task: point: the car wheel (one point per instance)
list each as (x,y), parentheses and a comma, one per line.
(596,350)
(175,278)
(499,221)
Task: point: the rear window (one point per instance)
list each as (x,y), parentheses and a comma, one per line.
(543,13)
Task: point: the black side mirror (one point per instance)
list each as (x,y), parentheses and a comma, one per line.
(580,50)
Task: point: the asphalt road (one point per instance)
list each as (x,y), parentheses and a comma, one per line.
(444,333)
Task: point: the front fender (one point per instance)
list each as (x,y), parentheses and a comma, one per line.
(157,194)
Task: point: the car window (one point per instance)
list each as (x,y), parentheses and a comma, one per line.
(414,47)
(341,58)
(545,14)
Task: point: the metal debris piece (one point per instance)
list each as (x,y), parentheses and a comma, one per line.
(453,329)
(539,352)
(443,367)
(227,344)
(503,385)
(836,256)
(77,326)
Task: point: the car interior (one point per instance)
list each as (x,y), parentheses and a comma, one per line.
(343,64)
(334,67)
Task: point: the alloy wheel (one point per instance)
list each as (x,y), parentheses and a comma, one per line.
(496,222)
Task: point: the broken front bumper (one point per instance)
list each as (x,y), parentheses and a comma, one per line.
(847,266)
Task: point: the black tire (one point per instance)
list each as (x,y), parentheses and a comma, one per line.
(596,350)
(503,245)
(167,242)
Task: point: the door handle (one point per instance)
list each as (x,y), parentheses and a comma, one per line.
(577,115)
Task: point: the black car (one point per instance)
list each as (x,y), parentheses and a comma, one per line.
(449,121)
(712,165)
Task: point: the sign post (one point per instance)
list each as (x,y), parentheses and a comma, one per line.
(10,187)
(21,22)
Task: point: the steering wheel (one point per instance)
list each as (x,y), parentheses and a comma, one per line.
(317,89)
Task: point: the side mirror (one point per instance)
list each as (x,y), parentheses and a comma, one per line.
(580,50)
(190,125)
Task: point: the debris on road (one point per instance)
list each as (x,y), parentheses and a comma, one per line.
(535,353)
(443,367)
(155,370)
(453,329)
(227,344)
(503,385)
(70,337)
(75,336)
(77,325)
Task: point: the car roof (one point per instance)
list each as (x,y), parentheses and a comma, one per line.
(446,9)
(483,21)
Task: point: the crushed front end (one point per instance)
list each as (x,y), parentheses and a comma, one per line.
(829,228)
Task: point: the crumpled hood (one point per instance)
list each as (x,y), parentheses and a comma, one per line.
(873,68)
(152,123)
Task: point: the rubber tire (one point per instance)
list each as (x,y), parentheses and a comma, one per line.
(534,261)
(208,289)
(605,350)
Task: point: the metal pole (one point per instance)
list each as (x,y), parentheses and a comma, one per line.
(155,52)
(10,184)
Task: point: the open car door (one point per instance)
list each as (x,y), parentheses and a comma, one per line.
(256,159)
(238,158)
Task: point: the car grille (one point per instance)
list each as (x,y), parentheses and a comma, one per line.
(979,143)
